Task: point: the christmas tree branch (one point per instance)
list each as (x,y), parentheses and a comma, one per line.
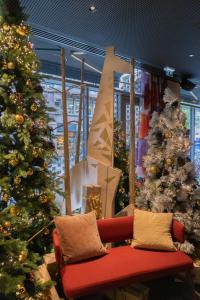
(40,231)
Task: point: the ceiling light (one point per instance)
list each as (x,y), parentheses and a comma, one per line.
(92,8)
(169,71)
(191,55)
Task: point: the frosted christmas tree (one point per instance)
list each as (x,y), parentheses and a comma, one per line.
(170,184)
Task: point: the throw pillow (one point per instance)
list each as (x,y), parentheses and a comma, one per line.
(79,237)
(152,231)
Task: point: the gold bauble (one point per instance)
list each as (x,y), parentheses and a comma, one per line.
(30,172)
(45,165)
(22,256)
(35,152)
(17,180)
(153,169)
(29,83)
(60,140)
(14,211)
(19,119)
(16,97)
(6,27)
(7,224)
(11,65)
(168,135)
(5,197)
(20,291)
(43,198)
(169,161)
(13,162)
(34,107)
(21,31)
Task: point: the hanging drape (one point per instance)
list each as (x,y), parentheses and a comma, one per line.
(152,90)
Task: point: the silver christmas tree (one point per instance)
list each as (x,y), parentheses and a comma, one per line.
(170,184)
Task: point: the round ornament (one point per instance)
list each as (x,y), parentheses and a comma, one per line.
(22,256)
(20,291)
(168,135)
(153,169)
(19,119)
(34,107)
(14,162)
(11,65)
(29,84)
(6,27)
(16,97)
(35,152)
(30,172)
(5,197)
(169,161)
(14,211)
(17,180)
(21,31)
(43,198)
(7,224)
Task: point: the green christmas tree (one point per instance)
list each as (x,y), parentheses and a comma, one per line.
(121,162)
(27,187)
(170,184)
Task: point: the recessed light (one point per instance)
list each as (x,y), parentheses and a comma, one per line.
(92,8)
(191,55)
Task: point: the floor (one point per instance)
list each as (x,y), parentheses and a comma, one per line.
(162,289)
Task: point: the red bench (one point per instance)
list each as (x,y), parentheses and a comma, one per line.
(123,265)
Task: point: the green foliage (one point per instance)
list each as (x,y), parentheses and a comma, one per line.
(27,187)
(121,162)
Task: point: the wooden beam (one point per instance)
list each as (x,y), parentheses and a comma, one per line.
(132,139)
(78,143)
(66,138)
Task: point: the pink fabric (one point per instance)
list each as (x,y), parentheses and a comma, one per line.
(123,265)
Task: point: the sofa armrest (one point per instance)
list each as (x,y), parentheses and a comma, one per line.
(178,231)
(57,249)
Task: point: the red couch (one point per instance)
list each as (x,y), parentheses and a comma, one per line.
(122,265)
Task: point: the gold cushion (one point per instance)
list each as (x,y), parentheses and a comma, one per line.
(152,231)
(79,237)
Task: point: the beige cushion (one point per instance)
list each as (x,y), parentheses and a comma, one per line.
(152,231)
(79,237)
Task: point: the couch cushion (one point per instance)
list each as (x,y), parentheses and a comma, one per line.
(79,237)
(152,230)
(121,266)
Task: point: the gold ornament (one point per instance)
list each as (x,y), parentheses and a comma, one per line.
(6,27)
(43,198)
(5,197)
(60,140)
(45,165)
(22,256)
(34,107)
(21,31)
(13,162)
(168,135)
(35,152)
(19,119)
(14,211)
(169,161)
(29,83)
(11,66)
(153,169)
(7,224)
(30,172)
(20,291)
(17,180)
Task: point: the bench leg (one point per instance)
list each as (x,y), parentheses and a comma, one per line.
(190,282)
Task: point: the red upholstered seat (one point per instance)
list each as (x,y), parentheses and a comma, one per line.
(121,266)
